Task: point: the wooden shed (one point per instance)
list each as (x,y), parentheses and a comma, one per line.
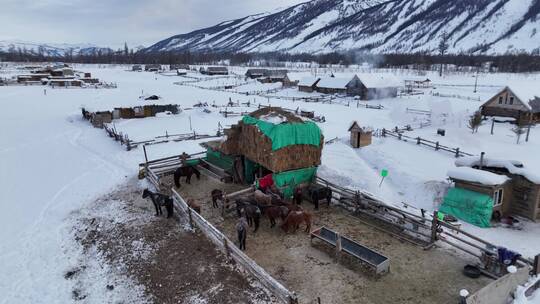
(520,195)
(360,136)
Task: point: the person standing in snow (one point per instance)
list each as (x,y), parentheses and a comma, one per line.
(241,229)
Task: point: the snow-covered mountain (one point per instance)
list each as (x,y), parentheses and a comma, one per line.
(318,26)
(51,50)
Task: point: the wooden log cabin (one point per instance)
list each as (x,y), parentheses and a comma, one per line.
(308,84)
(377,86)
(515,188)
(518,102)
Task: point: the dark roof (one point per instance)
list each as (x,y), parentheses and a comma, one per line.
(215,69)
(275,73)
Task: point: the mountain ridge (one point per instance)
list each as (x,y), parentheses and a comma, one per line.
(381,26)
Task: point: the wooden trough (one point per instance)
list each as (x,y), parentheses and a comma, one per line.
(368,257)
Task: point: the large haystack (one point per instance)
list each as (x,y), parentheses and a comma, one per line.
(276,139)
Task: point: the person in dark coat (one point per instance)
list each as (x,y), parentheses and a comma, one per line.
(241,229)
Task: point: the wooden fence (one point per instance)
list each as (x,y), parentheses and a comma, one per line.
(425,142)
(225,244)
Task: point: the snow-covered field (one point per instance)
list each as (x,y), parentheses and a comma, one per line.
(54,163)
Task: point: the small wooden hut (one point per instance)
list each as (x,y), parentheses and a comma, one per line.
(360,136)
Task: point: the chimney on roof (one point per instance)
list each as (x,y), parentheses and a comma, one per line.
(482,160)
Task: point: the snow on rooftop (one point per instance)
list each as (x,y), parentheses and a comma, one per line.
(513,166)
(334,83)
(477,176)
(380,80)
(525,92)
(307,81)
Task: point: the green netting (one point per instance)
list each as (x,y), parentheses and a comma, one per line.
(286,134)
(249,169)
(287,181)
(192,162)
(471,207)
(216,158)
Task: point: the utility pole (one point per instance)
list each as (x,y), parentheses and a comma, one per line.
(476,81)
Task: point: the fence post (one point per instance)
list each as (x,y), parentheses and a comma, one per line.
(190,218)
(434,224)
(418,140)
(436,146)
(536,268)
(383,132)
(457,152)
(399,136)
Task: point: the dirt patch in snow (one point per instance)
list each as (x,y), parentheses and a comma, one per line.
(312,270)
(170,262)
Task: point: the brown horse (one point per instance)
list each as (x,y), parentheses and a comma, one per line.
(262,199)
(216,195)
(194,205)
(275,212)
(295,218)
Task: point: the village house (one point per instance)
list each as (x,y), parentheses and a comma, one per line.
(152,67)
(378,86)
(173,67)
(308,84)
(512,188)
(65,82)
(255,73)
(215,70)
(136,68)
(337,85)
(520,103)
(32,78)
(273,76)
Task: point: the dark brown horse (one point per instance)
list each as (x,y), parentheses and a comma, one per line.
(217,195)
(251,211)
(187,171)
(295,219)
(276,212)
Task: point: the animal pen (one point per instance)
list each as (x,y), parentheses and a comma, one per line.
(416,232)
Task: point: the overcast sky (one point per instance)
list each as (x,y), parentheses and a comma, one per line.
(113,22)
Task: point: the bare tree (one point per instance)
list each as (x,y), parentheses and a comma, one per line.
(519,130)
(475,121)
(443,47)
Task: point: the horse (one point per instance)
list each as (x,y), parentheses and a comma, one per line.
(263,199)
(194,205)
(275,212)
(251,211)
(160,200)
(187,171)
(295,218)
(217,195)
(317,192)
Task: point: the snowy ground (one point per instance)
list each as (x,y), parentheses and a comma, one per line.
(53,162)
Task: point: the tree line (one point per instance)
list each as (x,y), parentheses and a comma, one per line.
(514,63)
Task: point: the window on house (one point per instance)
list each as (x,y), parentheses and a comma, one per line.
(500,100)
(512,100)
(498,197)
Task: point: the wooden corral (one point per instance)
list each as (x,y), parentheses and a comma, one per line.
(360,136)
(248,141)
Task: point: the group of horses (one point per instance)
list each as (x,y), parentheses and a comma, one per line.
(272,205)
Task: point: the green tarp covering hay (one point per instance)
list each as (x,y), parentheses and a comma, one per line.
(287,181)
(471,207)
(287,134)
